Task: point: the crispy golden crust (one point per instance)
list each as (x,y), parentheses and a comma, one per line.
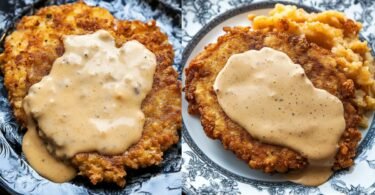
(335,32)
(37,42)
(318,64)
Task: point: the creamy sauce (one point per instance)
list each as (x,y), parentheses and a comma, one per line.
(90,101)
(272,98)
(42,161)
(314,175)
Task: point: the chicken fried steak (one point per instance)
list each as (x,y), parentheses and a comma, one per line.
(319,65)
(37,41)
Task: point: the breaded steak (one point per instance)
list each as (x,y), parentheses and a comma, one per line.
(319,65)
(37,41)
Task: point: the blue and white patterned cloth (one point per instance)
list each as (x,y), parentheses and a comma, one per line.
(18,177)
(200,177)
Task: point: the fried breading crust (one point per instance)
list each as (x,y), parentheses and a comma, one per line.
(37,41)
(319,65)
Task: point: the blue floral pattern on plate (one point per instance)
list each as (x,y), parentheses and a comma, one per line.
(17,177)
(202,176)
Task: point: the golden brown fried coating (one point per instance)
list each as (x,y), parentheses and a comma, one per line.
(37,41)
(318,64)
(335,32)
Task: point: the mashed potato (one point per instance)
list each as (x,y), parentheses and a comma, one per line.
(334,31)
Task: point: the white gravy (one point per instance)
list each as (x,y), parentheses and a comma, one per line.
(91,100)
(42,161)
(272,98)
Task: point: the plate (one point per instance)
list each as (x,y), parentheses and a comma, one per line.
(17,177)
(208,167)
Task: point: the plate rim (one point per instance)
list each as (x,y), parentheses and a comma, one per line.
(29,10)
(185,133)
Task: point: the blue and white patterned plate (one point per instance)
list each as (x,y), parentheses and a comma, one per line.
(208,168)
(17,177)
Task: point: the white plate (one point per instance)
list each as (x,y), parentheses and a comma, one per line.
(224,162)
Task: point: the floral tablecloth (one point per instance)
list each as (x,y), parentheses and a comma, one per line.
(201,177)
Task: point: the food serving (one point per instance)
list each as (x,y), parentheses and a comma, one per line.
(97,95)
(281,99)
